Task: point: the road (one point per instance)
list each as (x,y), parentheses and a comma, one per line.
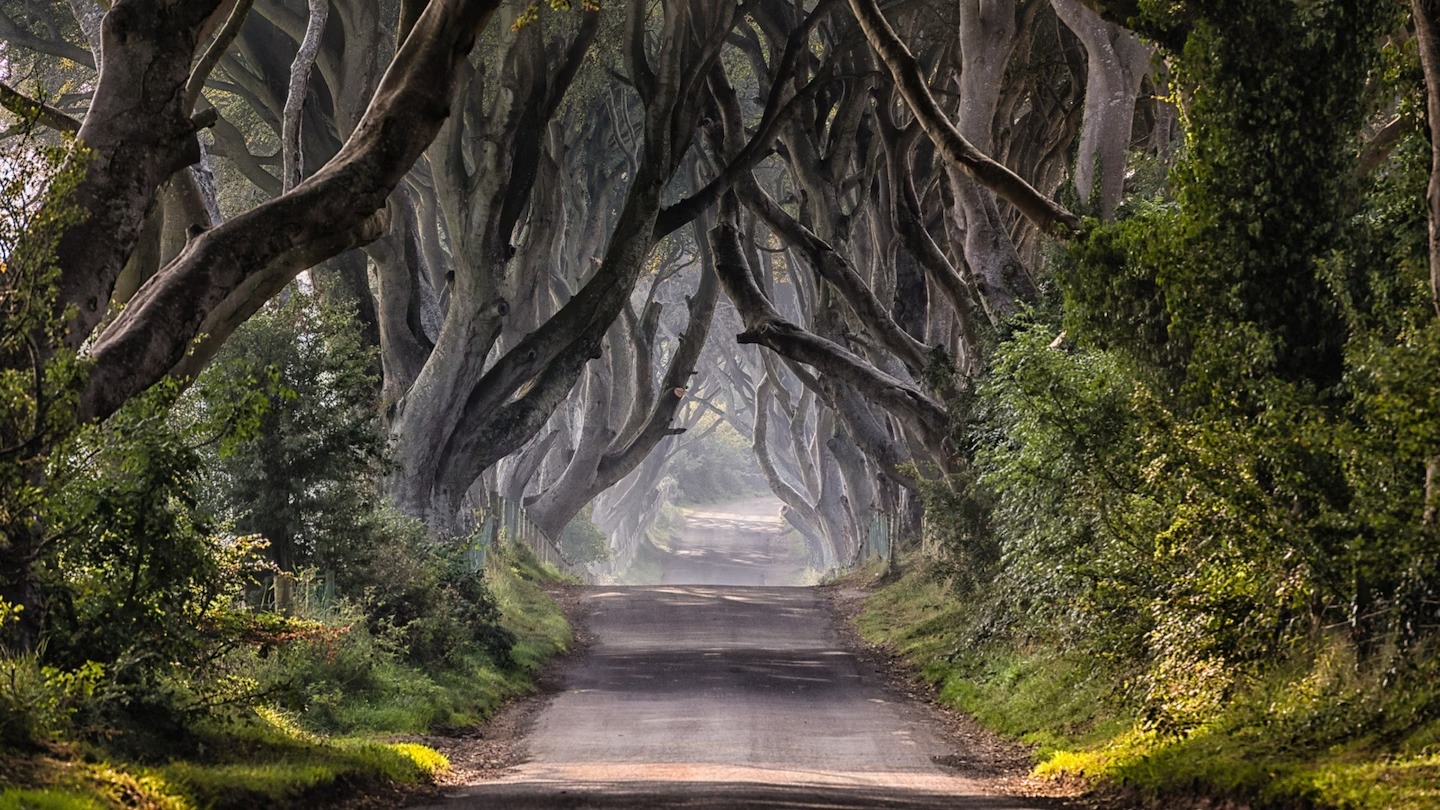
(741,543)
(709,691)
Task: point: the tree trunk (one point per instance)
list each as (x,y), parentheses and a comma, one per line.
(299,89)
(231,269)
(1116,65)
(956,149)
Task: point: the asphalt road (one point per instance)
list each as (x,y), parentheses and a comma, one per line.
(742,543)
(696,694)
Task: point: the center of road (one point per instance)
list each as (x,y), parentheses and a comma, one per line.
(726,696)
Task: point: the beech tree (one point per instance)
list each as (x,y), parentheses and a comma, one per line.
(136,134)
(875,234)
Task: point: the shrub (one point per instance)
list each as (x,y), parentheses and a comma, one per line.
(38,703)
(582,542)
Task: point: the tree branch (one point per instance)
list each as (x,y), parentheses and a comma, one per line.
(673,217)
(323,215)
(299,87)
(203,68)
(13,34)
(29,109)
(765,326)
(1045,213)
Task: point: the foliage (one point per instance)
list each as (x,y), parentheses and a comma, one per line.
(582,542)
(159,634)
(39,702)
(716,468)
(343,680)
(1315,730)
(1194,543)
(141,577)
(39,376)
(1212,464)
(1056,445)
(363,675)
(300,465)
(421,593)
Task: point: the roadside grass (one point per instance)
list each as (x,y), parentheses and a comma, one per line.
(275,763)
(280,760)
(1314,732)
(540,628)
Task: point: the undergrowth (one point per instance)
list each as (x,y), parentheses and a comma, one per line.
(334,745)
(1317,731)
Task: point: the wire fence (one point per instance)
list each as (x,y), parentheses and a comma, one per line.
(508,519)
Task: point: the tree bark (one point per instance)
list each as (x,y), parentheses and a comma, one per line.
(1116,65)
(136,134)
(299,89)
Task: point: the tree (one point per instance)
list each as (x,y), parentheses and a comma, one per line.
(137,133)
(302,477)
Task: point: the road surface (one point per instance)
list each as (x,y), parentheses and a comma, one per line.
(742,543)
(704,693)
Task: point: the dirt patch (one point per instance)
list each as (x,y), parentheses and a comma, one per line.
(1001,765)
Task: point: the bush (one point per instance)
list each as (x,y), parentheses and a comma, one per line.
(38,703)
(582,542)
(1059,449)
(419,594)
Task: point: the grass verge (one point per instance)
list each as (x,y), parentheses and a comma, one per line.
(1314,732)
(278,760)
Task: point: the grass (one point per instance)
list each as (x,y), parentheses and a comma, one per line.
(16,799)
(278,760)
(541,630)
(1316,731)
(275,763)
(266,761)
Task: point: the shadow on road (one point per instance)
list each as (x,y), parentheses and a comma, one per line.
(712,692)
(626,793)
